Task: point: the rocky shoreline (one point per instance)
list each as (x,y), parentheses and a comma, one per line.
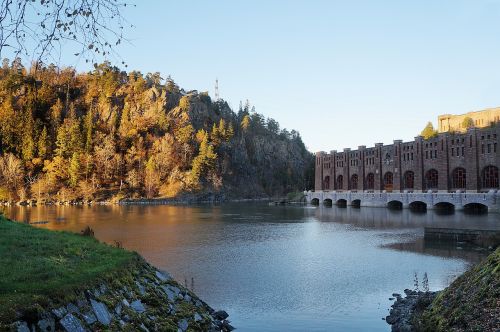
(405,310)
(150,300)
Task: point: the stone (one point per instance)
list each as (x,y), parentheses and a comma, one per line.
(126,318)
(72,309)
(125,303)
(163,276)
(59,312)
(144,328)
(81,303)
(103,288)
(21,327)
(187,297)
(171,291)
(71,324)
(101,312)
(118,309)
(197,317)
(220,315)
(183,324)
(47,325)
(141,288)
(138,306)
(226,326)
(89,318)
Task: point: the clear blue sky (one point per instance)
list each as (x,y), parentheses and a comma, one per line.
(342,73)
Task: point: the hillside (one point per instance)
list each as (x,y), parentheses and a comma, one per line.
(111,134)
(470,303)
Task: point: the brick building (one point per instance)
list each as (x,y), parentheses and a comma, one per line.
(449,162)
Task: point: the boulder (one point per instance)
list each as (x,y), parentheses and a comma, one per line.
(138,306)
(183,324)
(101,312)
(47,325)
(72,324)
(163,276)
(220,315)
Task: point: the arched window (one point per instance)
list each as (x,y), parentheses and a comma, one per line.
(431,179)
(409,180)
(489,177)
(326,183)
(388,181)
(354,181)
(370,181)
(458,178)
(340,182)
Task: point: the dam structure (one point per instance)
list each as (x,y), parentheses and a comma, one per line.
(452,170)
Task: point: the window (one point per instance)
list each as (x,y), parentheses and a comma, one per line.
(431,179)
(458,178)
(489,177)
(370,181)
(326,183)
(388,178)
(452,152)
(354,181)
(489,148)
(482,148)
(463,151)
(409,180)
(340,182)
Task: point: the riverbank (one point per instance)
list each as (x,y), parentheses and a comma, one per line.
(470,303)
(62,281)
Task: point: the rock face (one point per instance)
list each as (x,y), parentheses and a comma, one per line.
(143,300)
(401,314)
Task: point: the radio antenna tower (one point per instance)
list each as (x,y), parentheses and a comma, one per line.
(217,90)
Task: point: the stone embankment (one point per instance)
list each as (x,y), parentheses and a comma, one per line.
(146,300)
(406,308)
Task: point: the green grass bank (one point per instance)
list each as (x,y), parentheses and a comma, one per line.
(60,281)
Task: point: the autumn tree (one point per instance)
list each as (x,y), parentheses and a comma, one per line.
(429,131)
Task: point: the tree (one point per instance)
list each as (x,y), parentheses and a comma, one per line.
(429,131)
(39,28)
(74,170)
(467,123)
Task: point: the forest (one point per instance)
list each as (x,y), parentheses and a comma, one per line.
(108,134)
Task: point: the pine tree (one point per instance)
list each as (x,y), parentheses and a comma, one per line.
(74,170)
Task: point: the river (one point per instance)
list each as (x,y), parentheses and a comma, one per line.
(282,268)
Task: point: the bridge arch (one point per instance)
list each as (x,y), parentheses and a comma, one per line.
(489,177)
(418,206)
(342,202)
(315,201)
(444,207)
(476,208)
(356,203)
(395,205)
(458,178)
(327,202)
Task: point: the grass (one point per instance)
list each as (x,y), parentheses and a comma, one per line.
(470,303)
(38,266)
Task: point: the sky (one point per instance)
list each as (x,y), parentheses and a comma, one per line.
(342,73)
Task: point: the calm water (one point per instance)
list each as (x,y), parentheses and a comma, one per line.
(282,268)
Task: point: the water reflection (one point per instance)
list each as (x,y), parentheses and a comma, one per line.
(281,268)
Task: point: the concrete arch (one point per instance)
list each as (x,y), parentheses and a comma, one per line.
(327,202)
(475,208)
(395,205)
(356,203)
(444,207)
(315,201)
(418,206)
(341,202)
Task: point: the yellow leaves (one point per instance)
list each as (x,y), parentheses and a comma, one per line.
(184,134)
(184,103)
(200,135)
(245,123)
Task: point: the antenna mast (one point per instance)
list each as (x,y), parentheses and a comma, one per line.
(217,90)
